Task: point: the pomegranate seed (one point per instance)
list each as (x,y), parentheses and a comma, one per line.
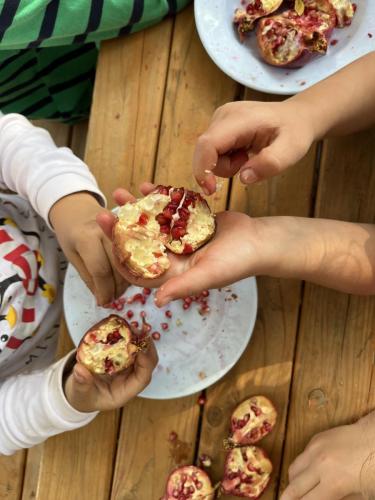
(134,324)
(122,300)
(205,293)
(129,314)
(188,300)
(173,434)
(176,196)
(164,229)
(177,233)
(108,366)
(143,314)
(146,291)
(143,219)
(199,485)
(146,328)
(168,212)
(202,399)
(256,410)
(186,306)
(164,326)
(163,221)
(187,249)
(156,335)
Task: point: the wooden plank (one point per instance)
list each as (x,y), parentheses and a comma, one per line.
(266,366)
(195,88)
(333,378)
(125,117)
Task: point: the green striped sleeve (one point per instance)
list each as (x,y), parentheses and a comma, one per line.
(48,23)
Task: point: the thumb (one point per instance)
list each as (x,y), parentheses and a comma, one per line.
(82,379)
(270,161)
(191,282)
(106,220)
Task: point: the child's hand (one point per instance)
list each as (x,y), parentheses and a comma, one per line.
(86,392)
(235,252)
(257,139)
(74,220)
(335,464)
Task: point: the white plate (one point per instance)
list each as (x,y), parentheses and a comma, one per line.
(192,355)
(241,61)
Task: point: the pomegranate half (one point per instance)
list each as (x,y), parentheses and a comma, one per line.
(247,472)
(168,218)
(251,421)
(290,40)
(252,10)
(108,347)
(189,483)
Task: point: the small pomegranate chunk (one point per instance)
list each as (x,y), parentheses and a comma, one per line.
(108,347)
(146,291)
(156,335)
(251,421)
(168,313)
(245,17)
(189,483)
(247,472)
(345,10)
(205,460)
(170,218)
(164,326)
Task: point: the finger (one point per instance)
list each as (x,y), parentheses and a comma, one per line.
(141,376)
(204,161)
(83,272)
(83,380)
(106,221)
(146,188)
(191,282)
(228,165)
(100,269)
(269,161)
(301,485)
(122,196)
(301,463)
(121,284)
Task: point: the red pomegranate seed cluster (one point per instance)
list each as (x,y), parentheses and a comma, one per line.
(174,218)
(201,300)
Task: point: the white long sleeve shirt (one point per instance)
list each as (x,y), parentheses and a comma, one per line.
(33,406)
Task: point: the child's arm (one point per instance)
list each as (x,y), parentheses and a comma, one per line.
(36,406)
(261,139)
(335,254)
(62,190)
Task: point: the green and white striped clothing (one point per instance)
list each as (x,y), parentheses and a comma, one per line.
(48,50)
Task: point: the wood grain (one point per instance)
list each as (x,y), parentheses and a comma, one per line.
(126,111)
(266,366)
(333,377)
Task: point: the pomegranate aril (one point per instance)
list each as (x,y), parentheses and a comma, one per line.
(162,220)
(256,410)
(205,293)
(134,324)
(188,300)
(164,326)
(186,306)
(168,313)
(156,335)
(178,232)
(129,314)
(143,219)
(187,249)
(108,365)
(176,195)
(168,212)
(164,229)
(202,399)
(143,314)
(146,291)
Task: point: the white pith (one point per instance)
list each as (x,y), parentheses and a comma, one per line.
(268,414)
(344,9)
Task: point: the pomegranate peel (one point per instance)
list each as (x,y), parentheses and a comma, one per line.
(109,346)
(251,421)
(170,218)
(247,472)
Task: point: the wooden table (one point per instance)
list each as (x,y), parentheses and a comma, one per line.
(312,351)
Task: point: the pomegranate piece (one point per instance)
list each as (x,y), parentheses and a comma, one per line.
(168,218)
(251,421)
(247,472)
(252,10)
(290,40)
(345,10)
(189,483)
(108,347)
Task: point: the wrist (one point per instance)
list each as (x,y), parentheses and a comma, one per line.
(72,204)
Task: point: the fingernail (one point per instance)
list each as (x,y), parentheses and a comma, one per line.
(248,176)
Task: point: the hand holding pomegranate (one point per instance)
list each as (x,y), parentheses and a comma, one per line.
(73,219)
(335,464)
(87,392)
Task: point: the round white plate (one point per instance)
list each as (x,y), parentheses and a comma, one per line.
(196,351)
(241,61)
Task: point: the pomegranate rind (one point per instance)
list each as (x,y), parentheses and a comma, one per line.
(245,17)
(106,358)
(251,421)
(247,472)
(344,10)
(186,478)
(290,41)
(147,227)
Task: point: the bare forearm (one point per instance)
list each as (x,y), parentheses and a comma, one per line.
(335,254)
(343,103)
